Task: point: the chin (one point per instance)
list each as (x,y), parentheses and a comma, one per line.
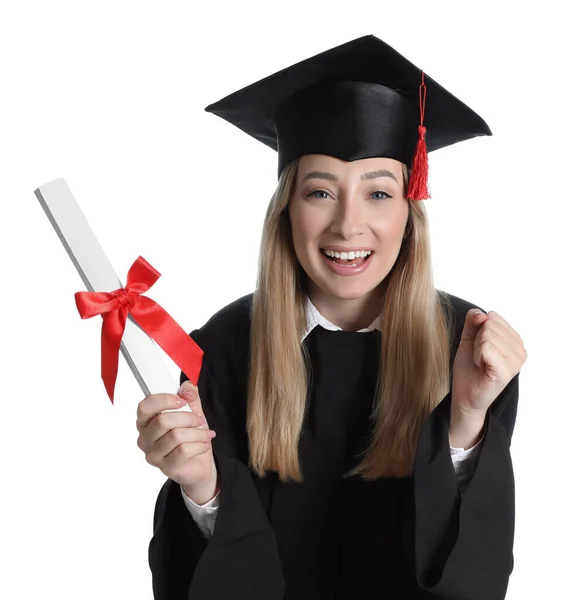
(346,288)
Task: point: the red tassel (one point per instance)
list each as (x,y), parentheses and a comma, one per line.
(418,185)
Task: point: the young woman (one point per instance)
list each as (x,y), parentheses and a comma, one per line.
(349,436)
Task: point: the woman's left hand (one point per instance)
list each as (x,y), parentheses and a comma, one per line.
(489,355)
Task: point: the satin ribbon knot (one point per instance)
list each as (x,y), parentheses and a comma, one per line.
(115,306)
(123,297)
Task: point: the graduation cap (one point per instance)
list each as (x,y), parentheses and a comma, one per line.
(358,100)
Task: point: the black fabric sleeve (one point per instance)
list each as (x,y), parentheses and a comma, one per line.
(463,543)
(240,560)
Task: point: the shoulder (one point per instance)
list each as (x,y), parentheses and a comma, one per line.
(227,331)
(233,316)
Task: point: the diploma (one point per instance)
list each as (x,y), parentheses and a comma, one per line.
(98,275)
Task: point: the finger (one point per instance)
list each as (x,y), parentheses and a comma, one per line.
(500,325)
(494,331)
(493,362)
(163,423)
(190,393)
(484,337)
(184,408)
(172,439)
(500,336)
(154,404)
(184,452)
(472,324)
(495,317)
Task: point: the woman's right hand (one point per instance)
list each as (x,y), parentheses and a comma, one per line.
(179,443)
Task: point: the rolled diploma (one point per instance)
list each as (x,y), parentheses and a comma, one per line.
(98,275)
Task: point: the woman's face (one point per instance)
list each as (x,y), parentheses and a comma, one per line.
(339,208)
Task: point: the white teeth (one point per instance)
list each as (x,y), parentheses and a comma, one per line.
(348,255)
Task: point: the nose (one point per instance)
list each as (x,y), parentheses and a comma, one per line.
(348,219)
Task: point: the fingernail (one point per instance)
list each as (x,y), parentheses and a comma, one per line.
(211,434)
(185,390)
(181,402)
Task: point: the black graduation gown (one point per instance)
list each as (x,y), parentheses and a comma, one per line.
(332,538)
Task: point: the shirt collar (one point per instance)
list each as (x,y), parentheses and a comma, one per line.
(314,317)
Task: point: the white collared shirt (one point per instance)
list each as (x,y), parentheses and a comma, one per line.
(314,317)
(462,460)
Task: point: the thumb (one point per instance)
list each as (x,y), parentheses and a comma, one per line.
(474,319)
(190,392)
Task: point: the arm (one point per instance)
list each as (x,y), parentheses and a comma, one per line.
(241,556)
(466,432)
(204,515)
(464,463)
(463,541)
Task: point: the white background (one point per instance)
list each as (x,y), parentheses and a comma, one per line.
(111,96)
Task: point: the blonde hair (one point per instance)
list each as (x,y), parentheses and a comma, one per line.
(414,359)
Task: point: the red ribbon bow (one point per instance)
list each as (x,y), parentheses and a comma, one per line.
(115,306)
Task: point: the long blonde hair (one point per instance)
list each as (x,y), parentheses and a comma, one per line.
(414,360)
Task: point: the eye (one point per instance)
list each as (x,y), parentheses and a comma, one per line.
(385,195)
(311,194)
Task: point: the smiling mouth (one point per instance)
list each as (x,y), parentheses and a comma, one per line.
(360,257)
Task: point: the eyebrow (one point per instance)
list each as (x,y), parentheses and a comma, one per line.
(365,176)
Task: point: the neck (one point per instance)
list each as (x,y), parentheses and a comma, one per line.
(348,314)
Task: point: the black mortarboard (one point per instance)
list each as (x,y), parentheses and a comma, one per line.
(357,100)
